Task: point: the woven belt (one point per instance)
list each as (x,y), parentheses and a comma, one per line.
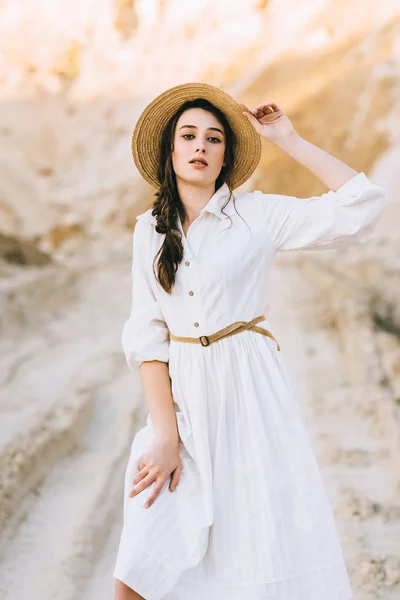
(232,329)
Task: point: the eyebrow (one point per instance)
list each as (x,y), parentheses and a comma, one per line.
(195,127)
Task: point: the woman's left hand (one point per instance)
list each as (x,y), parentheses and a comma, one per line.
(269,121)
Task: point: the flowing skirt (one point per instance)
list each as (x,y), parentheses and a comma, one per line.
(250,518)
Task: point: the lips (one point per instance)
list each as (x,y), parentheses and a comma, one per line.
(201,160)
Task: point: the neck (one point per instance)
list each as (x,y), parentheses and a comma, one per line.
(194,198)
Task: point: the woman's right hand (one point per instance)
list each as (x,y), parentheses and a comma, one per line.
(161,461)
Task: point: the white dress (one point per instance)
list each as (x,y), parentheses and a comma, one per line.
(250,518)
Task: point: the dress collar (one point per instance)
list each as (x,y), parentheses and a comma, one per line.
(214,206)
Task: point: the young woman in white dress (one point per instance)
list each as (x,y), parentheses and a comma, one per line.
(224,498)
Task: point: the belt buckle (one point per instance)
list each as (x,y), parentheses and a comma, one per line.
(206,340)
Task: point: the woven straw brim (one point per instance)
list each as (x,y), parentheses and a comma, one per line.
(146,138)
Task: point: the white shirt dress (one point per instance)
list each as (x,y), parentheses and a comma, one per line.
(250,518)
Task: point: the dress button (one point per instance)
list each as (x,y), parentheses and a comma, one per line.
(191,293)
(196,324)
(187,263)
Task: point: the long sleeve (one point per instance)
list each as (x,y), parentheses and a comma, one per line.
(328,221)
(145,335)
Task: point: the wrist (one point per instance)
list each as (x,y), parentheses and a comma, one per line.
(167,433)
(291,143)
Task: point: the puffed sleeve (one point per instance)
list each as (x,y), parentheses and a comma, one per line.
(145,335)
(336,218)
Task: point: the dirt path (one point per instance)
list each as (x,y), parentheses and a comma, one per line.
(62,540)
(71,406)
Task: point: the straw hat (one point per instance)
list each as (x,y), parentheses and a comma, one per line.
(146,138)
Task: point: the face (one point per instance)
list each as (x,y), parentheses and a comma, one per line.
(198,133)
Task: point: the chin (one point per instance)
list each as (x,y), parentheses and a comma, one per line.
(197,178)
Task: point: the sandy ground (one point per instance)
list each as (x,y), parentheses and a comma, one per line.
(75,407)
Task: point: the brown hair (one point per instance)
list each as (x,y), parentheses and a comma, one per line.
(168,204)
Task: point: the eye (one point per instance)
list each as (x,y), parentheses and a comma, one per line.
(210,138)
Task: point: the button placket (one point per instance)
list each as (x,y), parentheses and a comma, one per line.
(191,293)
(189,280)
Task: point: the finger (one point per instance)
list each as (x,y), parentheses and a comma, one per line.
(142,485)
(175,478)
(157,489)
(260,107)
(142,473)
(267,104)
(265,110)
(275,108)
(268,108)
(251,117)
(251,111)
(258,114)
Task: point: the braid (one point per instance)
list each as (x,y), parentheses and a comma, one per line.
(165,209)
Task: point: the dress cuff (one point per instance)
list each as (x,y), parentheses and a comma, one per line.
(355,186)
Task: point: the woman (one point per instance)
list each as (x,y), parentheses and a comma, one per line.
(223,495)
